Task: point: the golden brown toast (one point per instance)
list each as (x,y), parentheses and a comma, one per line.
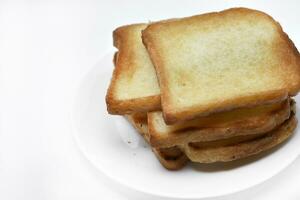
(243,121)
(219,150)
(134,86)
(220,61)
(224,153)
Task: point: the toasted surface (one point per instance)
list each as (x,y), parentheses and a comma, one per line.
(244,149)
(171,162)
(171,158)
(219,150)
(238,122)
(226,142)
(134,86)
(220,61)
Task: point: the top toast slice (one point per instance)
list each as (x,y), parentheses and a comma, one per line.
(220,61)
(134,86)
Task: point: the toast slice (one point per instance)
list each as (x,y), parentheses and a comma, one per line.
(134,86)
(244,149)
(238,122)
(225,150)
(171,158)
(220,61)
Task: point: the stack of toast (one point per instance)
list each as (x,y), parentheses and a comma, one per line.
(209,88)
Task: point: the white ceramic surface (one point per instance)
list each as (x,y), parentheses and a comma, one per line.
(113,147)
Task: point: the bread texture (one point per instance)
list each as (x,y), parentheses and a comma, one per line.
(238,122)
(243,149)
(222,150)
(171,158)
(221,61)
(134,86)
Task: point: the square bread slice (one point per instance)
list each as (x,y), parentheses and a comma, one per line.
(220,61)
(218,126)
(134,86)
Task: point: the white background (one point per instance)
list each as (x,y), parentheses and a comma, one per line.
(46,47)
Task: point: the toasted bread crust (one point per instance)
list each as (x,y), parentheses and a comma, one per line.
(121,107)
(124,63)
(244,149)
(252,125)
(171,158)
(172,114)
(176,157)
(174,163)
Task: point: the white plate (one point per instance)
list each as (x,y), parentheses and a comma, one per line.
(112,145)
